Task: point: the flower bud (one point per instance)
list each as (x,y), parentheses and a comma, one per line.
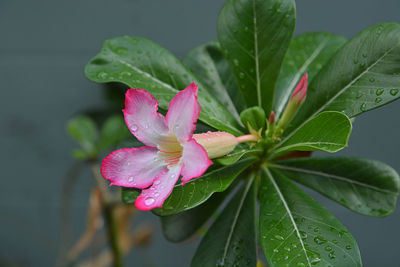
(217,144)
(296,100)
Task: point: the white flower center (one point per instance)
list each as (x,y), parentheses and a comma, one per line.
(170,150)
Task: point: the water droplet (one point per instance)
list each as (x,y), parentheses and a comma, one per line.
(328,248)
(287,249)
(156,182)
(134,127)
(276,250)
(241,75)
(355,61)
(372,79)
(362,65)
(379,91)
(316,229)
(332,255)
(334,241)
(363,107)
(236,62)
(102,75)
(130,179)
(300,264)
(149,201)
(348,247)
(157,194)
(315,261)
(303,234)
(394,92)
(319,240)
(364,55)
(246,29)
(378,100)
(279,237)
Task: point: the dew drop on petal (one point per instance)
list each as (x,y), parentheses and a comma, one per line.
(134,127)
(130,179)
(156,182)
(149,201)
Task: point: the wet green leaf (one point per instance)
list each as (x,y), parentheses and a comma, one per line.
(365,186)
(254,35)
(298,231)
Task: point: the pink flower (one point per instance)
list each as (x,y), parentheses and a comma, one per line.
(169,152)
(300,92)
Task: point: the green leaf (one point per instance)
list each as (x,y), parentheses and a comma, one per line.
(255,35)
(365,186)
(329,131)
(363,75)
(231,240)
(209,64)
(296,230)
(196,191)
(129,195)
(254,116)
(239,152)
(178,227)
(113,132)
(307,53)
(140,63)
(84,130)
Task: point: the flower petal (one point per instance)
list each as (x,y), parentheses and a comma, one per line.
(162,187)
(195,161)
(142,117)
(183,113)
(132,167)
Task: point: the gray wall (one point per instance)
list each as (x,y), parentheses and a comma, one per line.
(44,46)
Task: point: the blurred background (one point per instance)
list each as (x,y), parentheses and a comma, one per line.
(44,46)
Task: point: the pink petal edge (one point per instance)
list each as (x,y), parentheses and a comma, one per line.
(162,187)
(183,113)
(195,161)
(142,118)
(132,167)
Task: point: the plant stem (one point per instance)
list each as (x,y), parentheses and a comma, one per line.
(108,213)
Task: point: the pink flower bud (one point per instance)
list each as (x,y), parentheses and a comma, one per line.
(300,92)
(271,118)
(217,144)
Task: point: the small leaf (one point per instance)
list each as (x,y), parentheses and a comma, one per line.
(113,132)
(129,195)
(363,75)
(208,63)
(231,240)
(307,53)
(84,130)
(297,230)
(329,131)
(254,35)
(254,116)
(365,186)
(140,63)
(196,191)
(239,152)
(178,227)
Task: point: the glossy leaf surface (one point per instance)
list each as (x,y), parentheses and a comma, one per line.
(140,63)
(209,64)
(239,152)
(364,74)
(255,35)
(307,53)
(329,131)
(231,240)
(365,186)
(296,230)
(198,190)
(178,227)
